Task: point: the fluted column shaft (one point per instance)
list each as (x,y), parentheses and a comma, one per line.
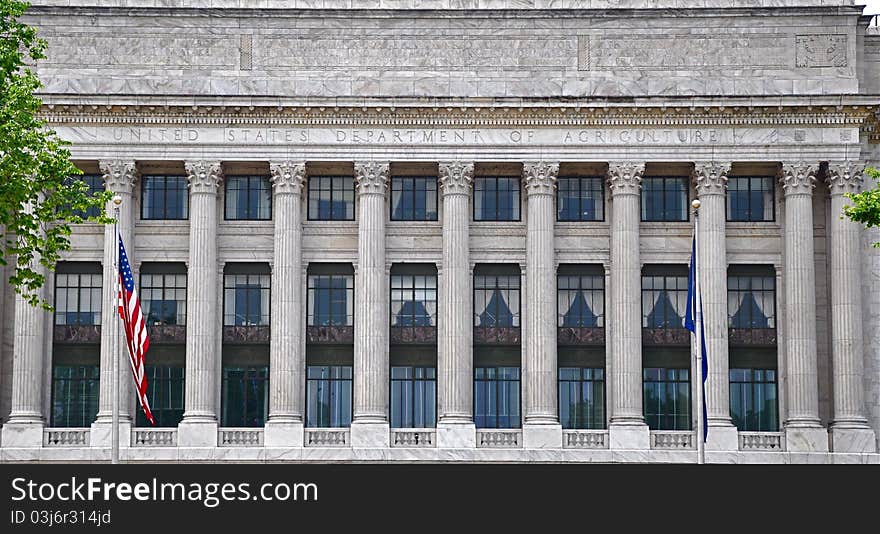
(539,365)
(201,295)
(371,297)
(287,343)
(626,344)
(28,357)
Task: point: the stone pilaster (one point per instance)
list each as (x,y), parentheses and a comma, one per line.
(711,185)
(627,429)
(369,427)
(455,359)
(120,178)
(803,429)
(199,425)
(541,428)
(849,430)
(287,360)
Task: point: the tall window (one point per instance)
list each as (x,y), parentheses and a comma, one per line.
(413,397)
(667,398)
(165,393)
(331,300)
(413,300)
(163,294)
(246,299)
(497,397)
(579,199)
(496,300)
(751,301)
(164,197)
(331,198)
(75,391)
(496,198)
(78,294)
(245,396)
(580,300)
(413,198)
(328,396)
(582,397)
(248,198)
(664,299)
(664,198)
(750,198)
(95,184)
(753,400)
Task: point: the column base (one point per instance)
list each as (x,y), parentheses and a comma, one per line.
(722,438)
(456,435)
(629,436)
(851,439)
(283,434)
(542,436)
(101,434)
(197,434)
(23,434)
(370,435)
(806,439)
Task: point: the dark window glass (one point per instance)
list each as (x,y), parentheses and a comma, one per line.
(331,198)
(750,199)
(667,398)
(664,198)
(753,401)
(413,397)
(581,301)
(95,183)
(497,397)
(245,396)
(78,298)
(246,299)
(496,198)
(413,300)
(164,197)
(413,198)
(165,394)
(328,396)
(496,300)
(582,397)
(331,300)
(751,301)
(664,300)
(75,391)
(579,199)
(163,298)
(248,198)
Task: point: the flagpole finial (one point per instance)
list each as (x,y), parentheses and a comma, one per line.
(696,204)
(117,200)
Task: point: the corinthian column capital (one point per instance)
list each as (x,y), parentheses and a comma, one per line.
(456,177)
(371,177)
(844,176)
(288,177)
(120,176)
(540,177)
(625,178)
(711,178)
(204,176)
(798,178)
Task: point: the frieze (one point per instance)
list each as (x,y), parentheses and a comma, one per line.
(580,336)
(77,333)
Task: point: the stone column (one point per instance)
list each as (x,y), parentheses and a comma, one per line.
(711,184)
(369,426)
(120,178)
(849,431)
(199,425)
(627,429)
(287,359)
(541,427)
(803,430)
(455,358)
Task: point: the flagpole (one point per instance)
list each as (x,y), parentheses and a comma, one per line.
(114,454)
(698,313)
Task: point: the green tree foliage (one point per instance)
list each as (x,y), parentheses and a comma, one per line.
(38,199)
(865,207)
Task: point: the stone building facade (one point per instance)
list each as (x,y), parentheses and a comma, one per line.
(457,230)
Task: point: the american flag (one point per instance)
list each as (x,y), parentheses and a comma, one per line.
(135,329)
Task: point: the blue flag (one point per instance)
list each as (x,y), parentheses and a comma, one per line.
(694,300)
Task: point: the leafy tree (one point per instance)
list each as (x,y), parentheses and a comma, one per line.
(865,207)
(38,199)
